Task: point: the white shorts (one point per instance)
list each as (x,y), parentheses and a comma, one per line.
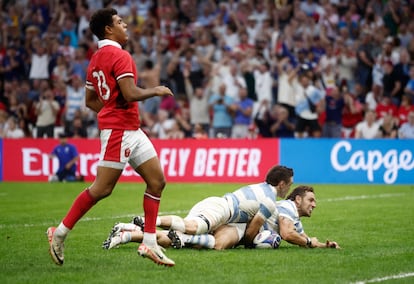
(119,147)
(240,227)
(213,210)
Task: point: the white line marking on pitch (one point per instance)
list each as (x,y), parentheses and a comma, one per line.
(398,276)
(88,219)
(346,198)
(179,212)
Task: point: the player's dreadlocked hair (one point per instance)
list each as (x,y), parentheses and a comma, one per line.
(278,174)
(300,190)
(100,19)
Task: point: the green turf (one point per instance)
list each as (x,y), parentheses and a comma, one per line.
(373,224)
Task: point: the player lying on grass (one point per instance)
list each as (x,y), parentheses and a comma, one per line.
(251,204)
(285,221)
(226,236)
(123,233)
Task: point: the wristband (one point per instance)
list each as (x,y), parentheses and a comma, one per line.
(308,242)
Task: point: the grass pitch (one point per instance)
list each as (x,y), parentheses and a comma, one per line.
(373,225)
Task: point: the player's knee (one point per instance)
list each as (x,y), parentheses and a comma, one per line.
(201,227)
(161,184)
(100,193)
(219,246)
(224,241)
(106,193)
(190,226)
(156,186)
(191,230)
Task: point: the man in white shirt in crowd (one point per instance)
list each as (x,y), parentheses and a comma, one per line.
(308,98)
(46,109)
(406,130)
(369,127)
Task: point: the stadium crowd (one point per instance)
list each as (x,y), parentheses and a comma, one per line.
(240,69)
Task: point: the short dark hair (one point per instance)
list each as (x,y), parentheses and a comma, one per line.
(300,190)
(277,174)
(100,19)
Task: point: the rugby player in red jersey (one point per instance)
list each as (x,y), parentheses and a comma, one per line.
(112,92)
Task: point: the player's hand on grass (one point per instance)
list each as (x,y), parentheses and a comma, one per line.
(331,244)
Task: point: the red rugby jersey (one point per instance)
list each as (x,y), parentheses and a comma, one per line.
(107,65)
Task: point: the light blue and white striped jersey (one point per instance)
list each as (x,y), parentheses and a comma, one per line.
(75,100)
(287,209)
(250,200)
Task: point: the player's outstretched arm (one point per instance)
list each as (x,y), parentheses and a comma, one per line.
(133,93)
(288,232)
(331,244)
(327,244)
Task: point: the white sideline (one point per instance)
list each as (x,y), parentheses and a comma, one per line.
(179,212)
(374,280)
(345,198)
(88,219)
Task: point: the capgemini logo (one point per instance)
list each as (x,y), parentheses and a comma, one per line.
(371,160)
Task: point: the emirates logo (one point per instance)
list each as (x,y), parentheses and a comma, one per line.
(127,152)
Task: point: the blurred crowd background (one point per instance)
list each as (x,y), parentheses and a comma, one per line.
(238,69)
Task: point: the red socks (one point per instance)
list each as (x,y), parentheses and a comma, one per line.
(80,206)
(151,206)
(84,202)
